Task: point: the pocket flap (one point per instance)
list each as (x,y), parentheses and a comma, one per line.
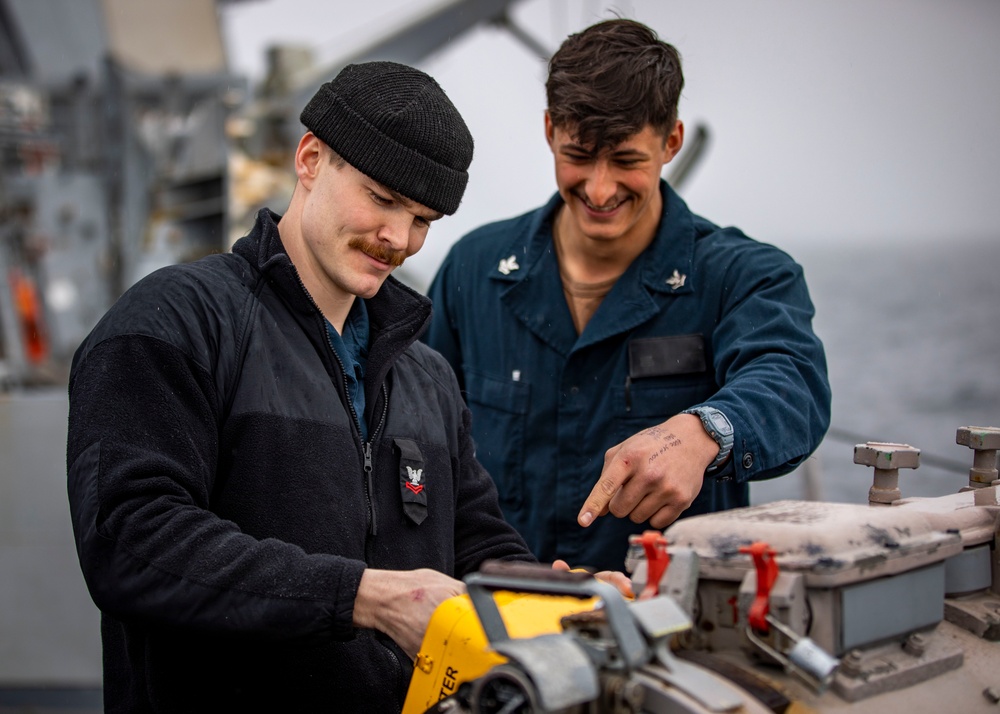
(666,356)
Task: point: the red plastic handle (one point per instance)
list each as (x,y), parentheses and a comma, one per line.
(657,560)
(767,573)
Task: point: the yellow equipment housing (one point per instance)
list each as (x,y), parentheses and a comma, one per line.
(455,648)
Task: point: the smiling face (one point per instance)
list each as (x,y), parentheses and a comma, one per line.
(346,232)
(612,194)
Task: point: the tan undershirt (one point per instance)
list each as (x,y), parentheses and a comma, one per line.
(583,299)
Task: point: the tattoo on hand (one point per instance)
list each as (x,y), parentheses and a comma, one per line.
(669,440)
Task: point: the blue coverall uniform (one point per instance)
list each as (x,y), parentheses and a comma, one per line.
(704,316)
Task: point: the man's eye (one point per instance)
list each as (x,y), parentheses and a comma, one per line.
(380,200)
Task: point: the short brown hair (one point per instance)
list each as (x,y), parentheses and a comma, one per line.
(611,81)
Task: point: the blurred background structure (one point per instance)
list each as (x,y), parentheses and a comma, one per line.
(860,137)
(113,161)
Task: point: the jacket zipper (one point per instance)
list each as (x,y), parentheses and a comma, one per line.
(369,483)
(366,446)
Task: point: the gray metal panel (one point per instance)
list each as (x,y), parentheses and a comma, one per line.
(70,216)
(12,362)
(14,59)
(968,571)
(63,38)
(879,609)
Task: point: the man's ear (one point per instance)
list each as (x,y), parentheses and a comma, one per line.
(550,131)
(308,157)
(674,142)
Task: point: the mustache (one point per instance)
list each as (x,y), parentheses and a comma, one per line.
(378,251)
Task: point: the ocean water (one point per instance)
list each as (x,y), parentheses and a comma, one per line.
(912,336)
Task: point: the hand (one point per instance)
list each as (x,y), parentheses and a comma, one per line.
(611,577)
(653,475)
(400,603)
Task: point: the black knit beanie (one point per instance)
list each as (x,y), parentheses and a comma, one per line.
(395,124)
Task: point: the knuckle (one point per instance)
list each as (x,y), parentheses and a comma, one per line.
(607,486)
(664,517)
(654,481)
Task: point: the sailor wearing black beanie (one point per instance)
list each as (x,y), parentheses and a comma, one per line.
(272,482)
(396,125)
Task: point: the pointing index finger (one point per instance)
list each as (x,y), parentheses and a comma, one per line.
(612,478)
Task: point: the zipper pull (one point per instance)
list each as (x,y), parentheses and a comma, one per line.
(370,485)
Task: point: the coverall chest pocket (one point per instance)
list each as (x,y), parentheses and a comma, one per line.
(665,376)
(646,405)
(499,423)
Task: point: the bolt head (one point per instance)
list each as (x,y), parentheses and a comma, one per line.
(851,664)
(886,455)
(979,437)
(915,645)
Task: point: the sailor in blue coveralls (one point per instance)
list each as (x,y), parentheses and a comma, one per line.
(619,353)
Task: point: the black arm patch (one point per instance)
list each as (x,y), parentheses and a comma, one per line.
(412,481)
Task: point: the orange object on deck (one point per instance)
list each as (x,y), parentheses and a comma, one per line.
(29,313)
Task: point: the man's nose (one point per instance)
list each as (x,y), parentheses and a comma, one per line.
(396,230)
(601,186)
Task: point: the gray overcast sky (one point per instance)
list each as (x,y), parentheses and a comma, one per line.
(831,120)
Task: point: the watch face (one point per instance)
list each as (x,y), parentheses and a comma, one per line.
(720,423)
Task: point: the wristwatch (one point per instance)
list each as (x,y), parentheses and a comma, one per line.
(719,428)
